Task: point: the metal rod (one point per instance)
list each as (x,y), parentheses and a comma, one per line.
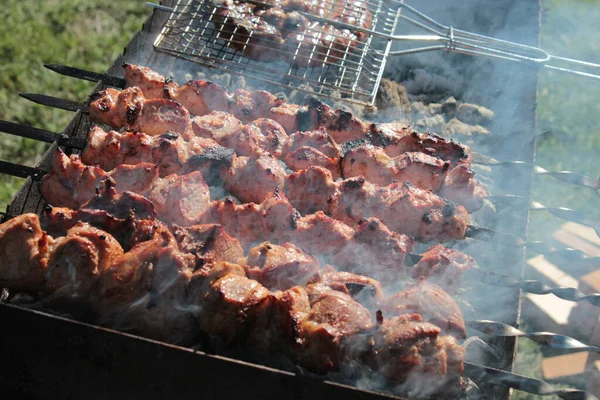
(552,340)
(86,75)
(41,135)
(21,171)
(523,383)
(55,102)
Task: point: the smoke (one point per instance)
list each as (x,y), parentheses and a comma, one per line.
(498,103)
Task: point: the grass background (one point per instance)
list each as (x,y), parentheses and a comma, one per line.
(91,33)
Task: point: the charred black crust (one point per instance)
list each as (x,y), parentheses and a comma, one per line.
(376,137)
(347,147)
(168,79)
(170,135)
(133,112)
(448,210)
(342,122)
(353,184)
(427,218)
(303,119)
(294,220)
(96,95)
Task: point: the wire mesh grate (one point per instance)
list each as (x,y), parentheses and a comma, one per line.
(195,31)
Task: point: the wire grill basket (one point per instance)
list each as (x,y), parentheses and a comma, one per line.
(194,32)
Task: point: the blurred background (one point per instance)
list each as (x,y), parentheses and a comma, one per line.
(90,34)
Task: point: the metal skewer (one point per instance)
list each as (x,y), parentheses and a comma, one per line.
(552,340)
(522,383)
(563,176)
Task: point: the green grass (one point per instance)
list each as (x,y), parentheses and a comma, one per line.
(85,33)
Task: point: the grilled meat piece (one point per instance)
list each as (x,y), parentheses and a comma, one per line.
(251,179)
(422,170)
(367,291)
(144,292)
(280,267)
(289,309)
(406,349)
(78,259)
(310,190)
(121,205)
(432,303)
(180,199)
(209,243)
(261,135)
(287,116)
(70,183)
(313,148)
(110,149)
(135,178)
(341,125)
(217,125)
(129,109)
(335,330)
(397,139)
(320,234)
(241,221)
(443,266)
(229,303)
(461,187)
(377,167)
(24,251)
(151,83)
(160,116)
(425,215)
(376,251)
(200,97)
(355,13)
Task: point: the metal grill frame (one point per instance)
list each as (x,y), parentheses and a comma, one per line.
(71,334)
(191,34)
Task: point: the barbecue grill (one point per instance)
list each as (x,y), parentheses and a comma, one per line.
(83,356)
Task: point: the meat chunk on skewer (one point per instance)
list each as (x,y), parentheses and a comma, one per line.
(425,215)
(24,251)
(460,186)
(228,302)
(375,251)
(217,125)
(129,109)
(261,135)
(313,148)
(144,291)
(200,97)
(180,199)
(152,84)
(407,349)
(397,139)
(443,266)
(251,179)
(78,259)
(209,243)
(335,330)
(280,267)
(422,170)
(310,190)
(376,166)
(432,303)
(70,183)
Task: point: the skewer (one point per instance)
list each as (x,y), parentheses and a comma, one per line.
(563,176)
(523,383)
(41,135)
(552,340)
